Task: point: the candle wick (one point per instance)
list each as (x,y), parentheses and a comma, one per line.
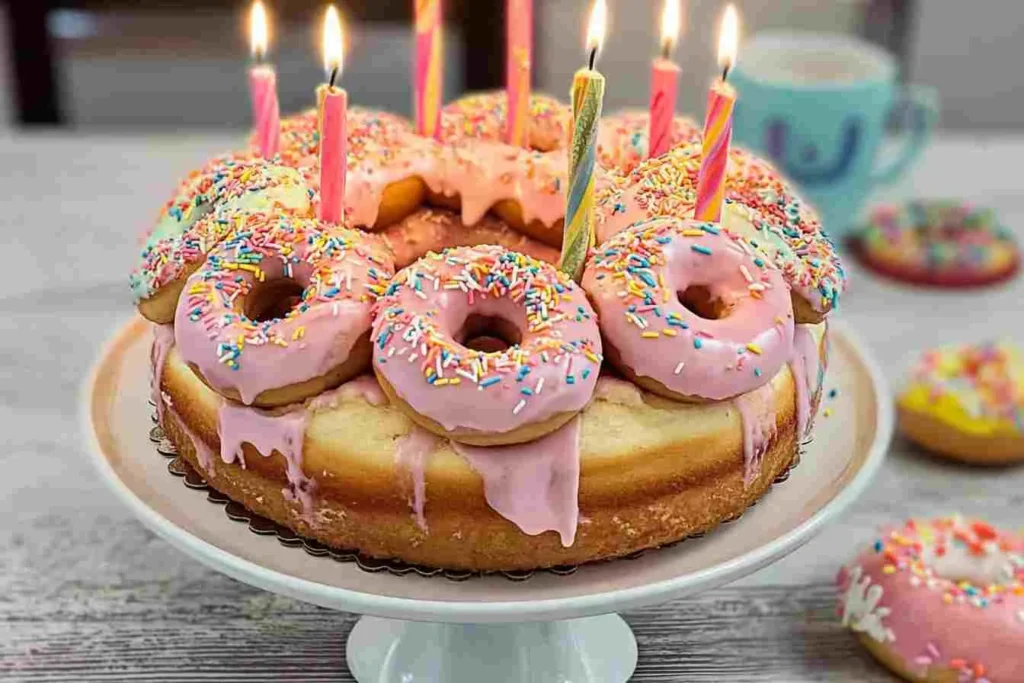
(725,72)
(666,50)
(593,57)
(334,77)
(259,57)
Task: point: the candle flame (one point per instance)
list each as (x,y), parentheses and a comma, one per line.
(258,30)
(333,45)
(671,21)
(596,26)
(728,37)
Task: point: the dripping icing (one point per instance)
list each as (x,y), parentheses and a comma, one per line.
(411,453)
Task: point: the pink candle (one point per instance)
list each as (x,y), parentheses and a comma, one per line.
(717,128)
(427,68)
(518,56)
(334,137)
(664,84)
(263,87)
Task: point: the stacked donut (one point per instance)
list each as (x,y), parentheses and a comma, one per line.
(422,383)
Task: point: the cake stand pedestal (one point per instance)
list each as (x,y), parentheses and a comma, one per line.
(547,629)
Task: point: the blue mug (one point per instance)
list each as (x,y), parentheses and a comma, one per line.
(818,105)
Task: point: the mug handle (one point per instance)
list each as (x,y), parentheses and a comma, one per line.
(919,109)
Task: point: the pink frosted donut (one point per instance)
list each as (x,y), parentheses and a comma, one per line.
(480,171)
(486,346)
(690,311)
(280,311)
(940,600)
(623,138)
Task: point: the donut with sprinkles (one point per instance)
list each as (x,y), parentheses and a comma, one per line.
(940,243)
(760,205)
(182,235)
(689,311)
(486,346)
(386,163)
(479,171)
(966,402)
(280,310)
(939,600)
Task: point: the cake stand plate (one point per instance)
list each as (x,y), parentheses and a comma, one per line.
(548,628)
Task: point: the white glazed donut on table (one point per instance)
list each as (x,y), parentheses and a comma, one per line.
(940,600)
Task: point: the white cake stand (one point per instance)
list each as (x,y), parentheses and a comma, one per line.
(491,629)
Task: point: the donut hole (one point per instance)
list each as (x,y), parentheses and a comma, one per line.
(272,299)
(489,334)
(699,300)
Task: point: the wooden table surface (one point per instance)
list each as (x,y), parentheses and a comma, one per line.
(87,594)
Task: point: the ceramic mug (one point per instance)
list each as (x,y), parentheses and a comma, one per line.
(817,105)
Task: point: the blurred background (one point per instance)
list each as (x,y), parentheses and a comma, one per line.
(152,64)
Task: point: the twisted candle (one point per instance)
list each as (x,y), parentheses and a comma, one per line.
(428,70)
(715,152)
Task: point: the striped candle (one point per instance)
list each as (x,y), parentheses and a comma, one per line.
(518,56)
(427,68)
(715,152)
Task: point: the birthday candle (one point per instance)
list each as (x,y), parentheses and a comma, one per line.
(664,84)
(587,98)
(717,128)
(263,86)
(334,140)
(519,47)
(427,64)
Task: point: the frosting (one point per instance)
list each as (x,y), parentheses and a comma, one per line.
(411,452)
(340,275)
(938,238)
(230,183)
(429,230)
(382,150)
(635,280)
(758,420)
(478,165)
(534,485)
(760,206)
(943,593)
(623,138)
(805,367)
(553,369)
(163,340)
(268,433)
(977,389)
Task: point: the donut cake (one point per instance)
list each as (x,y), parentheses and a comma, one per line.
(422,383)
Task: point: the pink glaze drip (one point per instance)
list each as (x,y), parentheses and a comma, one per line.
(365,387)
(534,485)
(411,454)
(163,340)
(267,433)
(804,367)
(204,454)
(758,419)
(635,280)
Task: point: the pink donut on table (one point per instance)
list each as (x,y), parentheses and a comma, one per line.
(486,346)
(689,311)
(940,600)
(281,309)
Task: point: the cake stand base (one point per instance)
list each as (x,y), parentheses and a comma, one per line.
(574,650)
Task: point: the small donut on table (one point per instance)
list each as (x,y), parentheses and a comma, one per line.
(479,171)
(966,402)
(940,601)
(386,163)
(486,346)
(186,229)
(687,312)
(280,310)
(430,229)
(938,243)
(624,138)
(760,206)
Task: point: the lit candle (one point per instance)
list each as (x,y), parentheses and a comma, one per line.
(263,86)
(518,56)
(718,126)
(664,83)
(333,141)
(427,66)
(587,97)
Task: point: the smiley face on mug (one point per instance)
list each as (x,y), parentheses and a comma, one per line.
(803,160)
